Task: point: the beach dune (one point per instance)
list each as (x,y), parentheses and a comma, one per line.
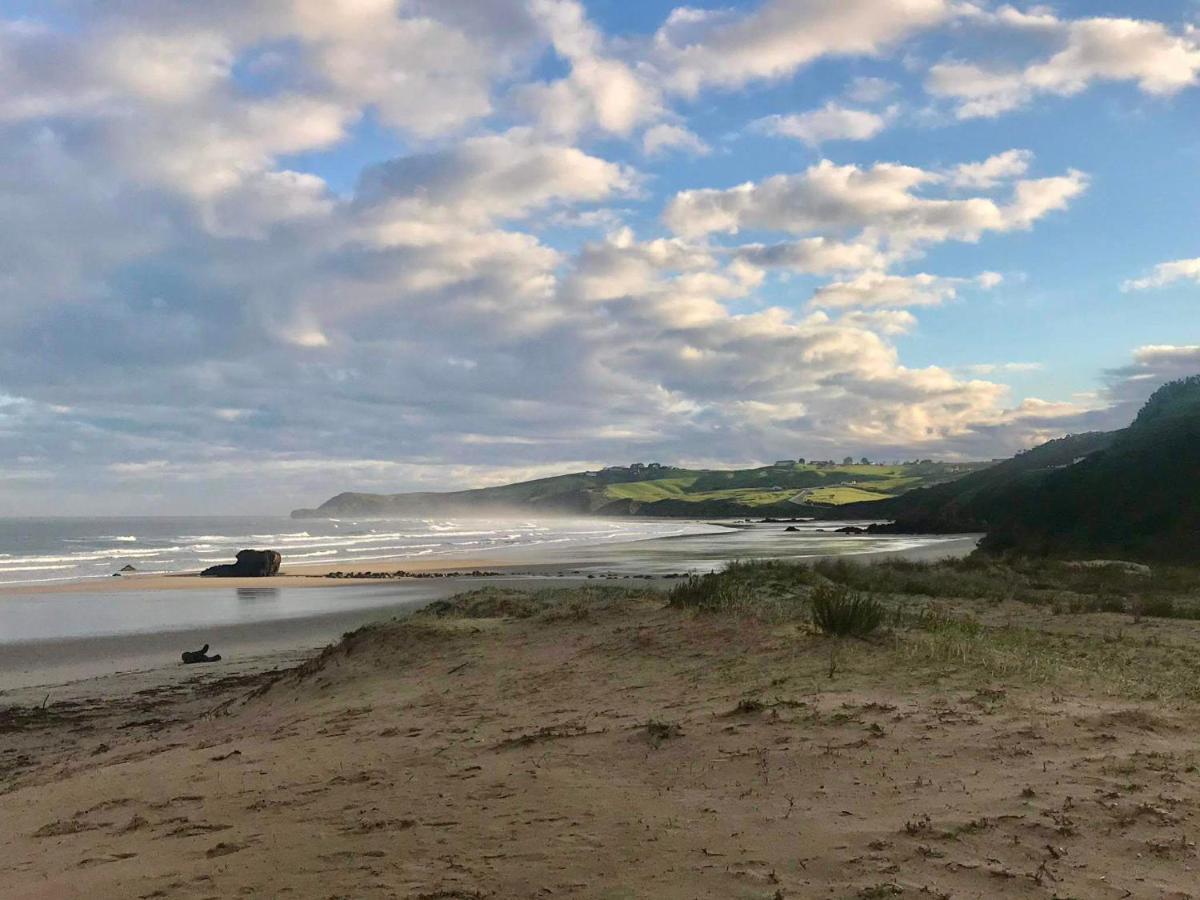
(598,744)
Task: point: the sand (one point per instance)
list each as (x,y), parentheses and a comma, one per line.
(605,748)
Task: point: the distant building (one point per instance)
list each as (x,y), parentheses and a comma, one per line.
(785,462)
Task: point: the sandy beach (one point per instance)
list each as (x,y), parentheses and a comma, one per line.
(597,744)
(55,637)
(729,543)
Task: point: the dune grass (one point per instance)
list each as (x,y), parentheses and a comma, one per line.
(843,613)
(956,619)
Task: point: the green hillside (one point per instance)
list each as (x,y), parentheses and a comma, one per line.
(786,488)
(1133,493)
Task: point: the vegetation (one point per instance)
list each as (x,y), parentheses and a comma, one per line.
(785,590)
(787,488)
(1106,626)
(842,613)
(1129,494)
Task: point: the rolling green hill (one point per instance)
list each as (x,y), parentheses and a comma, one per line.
(786,488)
(1133,493)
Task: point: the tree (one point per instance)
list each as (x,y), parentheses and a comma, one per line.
(848,461)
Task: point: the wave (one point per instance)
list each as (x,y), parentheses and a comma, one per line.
(102,538)
(32,568)
(184,549)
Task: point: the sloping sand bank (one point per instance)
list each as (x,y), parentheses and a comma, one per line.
(604,746)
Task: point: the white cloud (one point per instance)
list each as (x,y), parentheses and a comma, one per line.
(599,91)
(884,321)
(700,48)
(814,255)
(663,137)
(878,289)
(1166,273)
(1159,61)
(832,122)
(498,176)
(185,300)
(883,200)
(991,171)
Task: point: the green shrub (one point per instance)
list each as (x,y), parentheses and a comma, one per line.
(714,592)
(840,612)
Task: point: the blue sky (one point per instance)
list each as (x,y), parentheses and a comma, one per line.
(263,252)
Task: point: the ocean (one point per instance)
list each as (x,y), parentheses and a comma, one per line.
(48,550)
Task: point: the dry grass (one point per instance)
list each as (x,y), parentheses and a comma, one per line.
(1038,624)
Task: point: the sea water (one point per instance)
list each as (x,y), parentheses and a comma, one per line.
(41,551)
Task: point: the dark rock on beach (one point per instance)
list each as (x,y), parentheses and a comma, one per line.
(250,564)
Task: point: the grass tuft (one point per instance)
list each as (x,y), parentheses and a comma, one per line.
(843,613)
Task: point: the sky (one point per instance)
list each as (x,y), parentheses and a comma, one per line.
(257,252)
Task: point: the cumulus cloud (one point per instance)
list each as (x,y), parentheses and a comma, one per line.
(832,122)
(493,176)
(151,90)
(600,91)
(814,255)
(884,321)
(1164,274)
(1158,60)
(878,289)
(699,48)
(992,171)
(190,310)
(885,198)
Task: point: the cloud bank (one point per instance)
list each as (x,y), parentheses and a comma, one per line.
(256,253)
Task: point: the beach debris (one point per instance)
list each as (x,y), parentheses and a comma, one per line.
(199,656)
(250,564)
(401,573)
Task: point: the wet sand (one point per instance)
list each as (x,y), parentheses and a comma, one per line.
(143,622)
(114,664)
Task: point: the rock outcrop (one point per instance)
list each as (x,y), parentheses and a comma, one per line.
(250,564)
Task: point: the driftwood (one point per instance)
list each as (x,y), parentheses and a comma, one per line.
(199,656)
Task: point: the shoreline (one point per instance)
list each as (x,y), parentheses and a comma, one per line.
(503,563)
(118,664)
(69,665)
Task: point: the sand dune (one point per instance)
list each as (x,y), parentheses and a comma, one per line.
(600,746)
